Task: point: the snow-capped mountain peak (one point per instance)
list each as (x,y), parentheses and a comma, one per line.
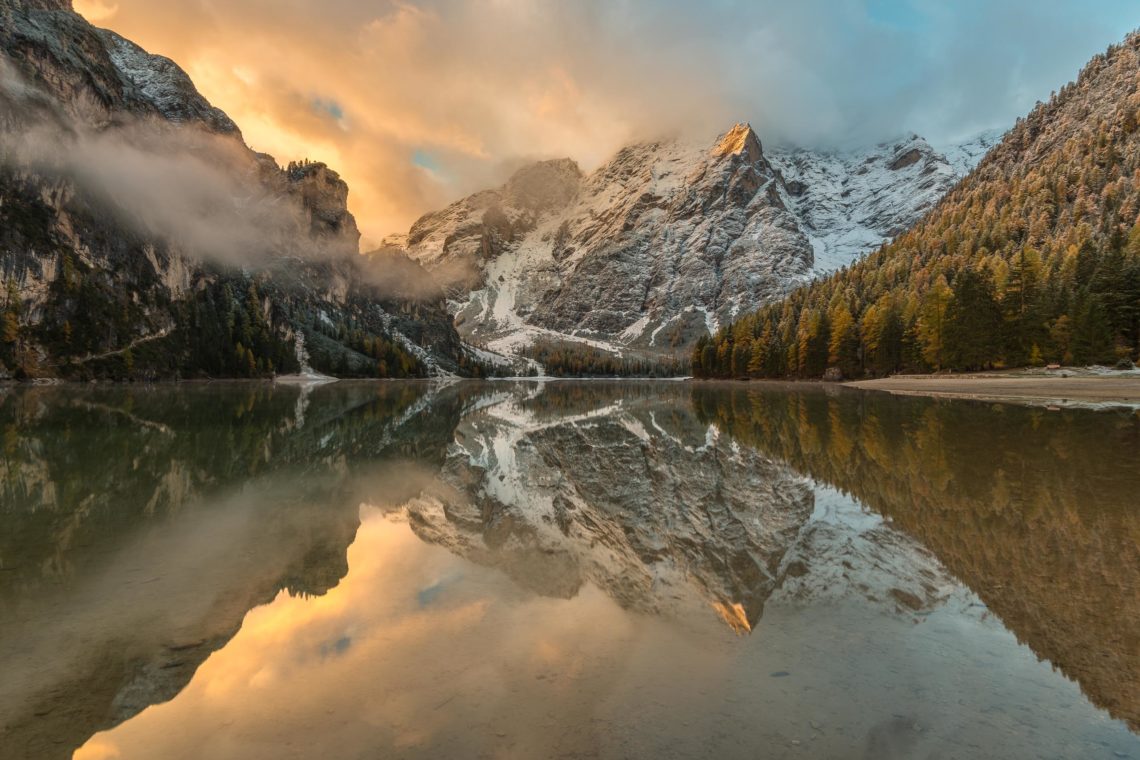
(668,240)
(740,140)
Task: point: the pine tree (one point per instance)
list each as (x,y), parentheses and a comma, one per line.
(843,348)
(932,323)
(973,322)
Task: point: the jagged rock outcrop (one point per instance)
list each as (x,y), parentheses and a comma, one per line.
(136,224)
(324,195)
(667,241)
(94,75)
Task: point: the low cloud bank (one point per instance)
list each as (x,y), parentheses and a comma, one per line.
(207,196)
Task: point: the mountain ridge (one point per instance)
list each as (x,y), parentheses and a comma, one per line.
(668,240)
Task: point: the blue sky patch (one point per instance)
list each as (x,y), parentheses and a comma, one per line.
(425,160)
(328,107)
(337,647)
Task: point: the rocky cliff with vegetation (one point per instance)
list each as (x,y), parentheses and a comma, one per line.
(1034,258)
(141,238)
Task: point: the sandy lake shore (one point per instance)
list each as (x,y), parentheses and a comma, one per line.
(1046,389)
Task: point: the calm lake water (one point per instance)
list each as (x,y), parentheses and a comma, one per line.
(567,570)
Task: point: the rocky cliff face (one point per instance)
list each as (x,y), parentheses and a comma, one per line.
(652,249)
(141,237)
(667,240)
(94,75)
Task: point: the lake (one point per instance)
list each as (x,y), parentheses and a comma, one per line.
(571,569)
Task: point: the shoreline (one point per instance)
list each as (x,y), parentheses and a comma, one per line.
(1072,388)
(1052,391)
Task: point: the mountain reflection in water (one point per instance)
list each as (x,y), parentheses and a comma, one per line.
(564,570)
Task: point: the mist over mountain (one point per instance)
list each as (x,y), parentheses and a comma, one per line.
(142,238)
(419,104)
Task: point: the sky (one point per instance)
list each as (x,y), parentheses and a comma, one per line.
(419,102)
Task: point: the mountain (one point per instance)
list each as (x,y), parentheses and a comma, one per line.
(140,237)
(1034,258)
(668,240)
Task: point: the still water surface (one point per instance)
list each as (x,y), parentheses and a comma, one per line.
(571,569)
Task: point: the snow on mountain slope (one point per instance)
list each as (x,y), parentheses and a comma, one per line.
(964,156)
(670,240)
(851,202)
(161,82)
(653,249)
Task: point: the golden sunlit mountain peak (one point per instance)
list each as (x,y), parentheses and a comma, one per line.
(740,140)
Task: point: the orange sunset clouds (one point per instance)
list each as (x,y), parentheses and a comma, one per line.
(419,103)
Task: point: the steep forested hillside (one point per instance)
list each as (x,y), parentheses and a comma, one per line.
(1033,258)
